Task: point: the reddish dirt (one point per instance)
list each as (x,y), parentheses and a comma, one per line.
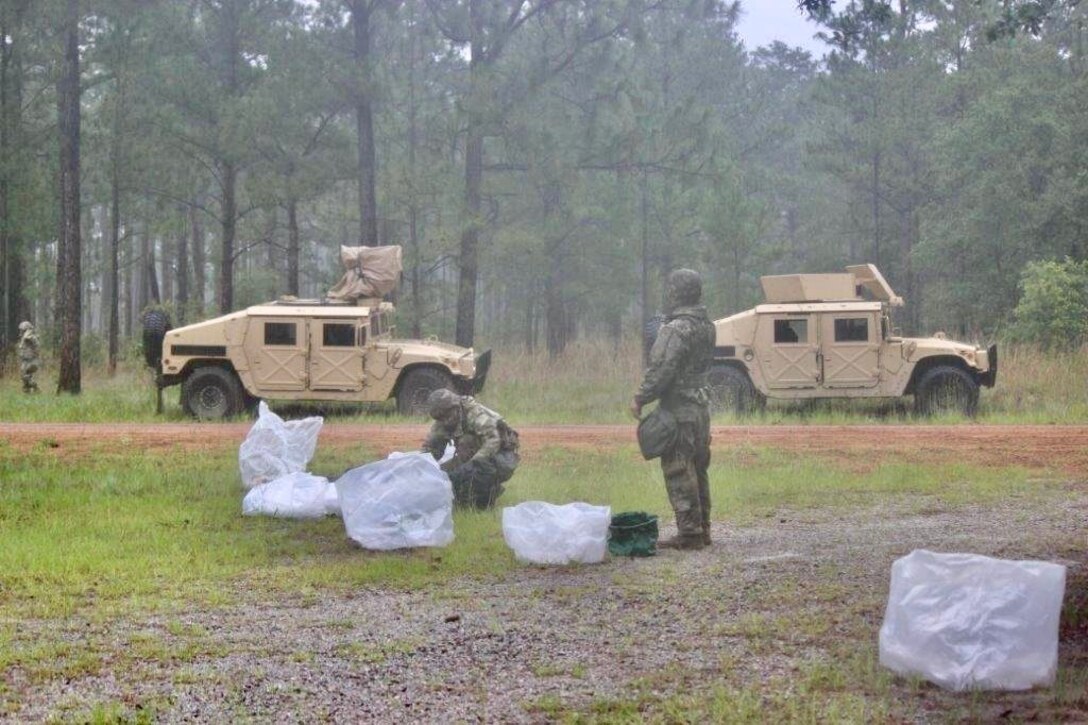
(1057,448)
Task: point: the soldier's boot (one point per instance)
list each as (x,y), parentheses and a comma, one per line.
(683,542)
(706,536)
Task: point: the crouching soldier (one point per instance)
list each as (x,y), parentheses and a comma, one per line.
(28,356)
(486,448)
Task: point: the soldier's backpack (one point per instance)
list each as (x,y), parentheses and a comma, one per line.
(508,436)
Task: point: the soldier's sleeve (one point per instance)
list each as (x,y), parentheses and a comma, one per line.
(664,362)
(486,428)
(436,441)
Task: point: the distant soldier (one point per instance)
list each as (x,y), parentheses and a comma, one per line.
(28,356)
(486,448)
(677,377)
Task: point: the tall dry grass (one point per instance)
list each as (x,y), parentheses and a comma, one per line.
(592,382)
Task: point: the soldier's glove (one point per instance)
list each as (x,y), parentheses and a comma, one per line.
(636,408)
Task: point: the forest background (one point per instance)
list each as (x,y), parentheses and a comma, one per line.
(543,162)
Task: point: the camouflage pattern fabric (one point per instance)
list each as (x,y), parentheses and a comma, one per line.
(28,359)
(676,377)
(486,452)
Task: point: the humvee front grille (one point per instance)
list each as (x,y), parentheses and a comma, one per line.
(199,350)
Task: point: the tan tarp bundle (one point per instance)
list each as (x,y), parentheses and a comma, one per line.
(370,272)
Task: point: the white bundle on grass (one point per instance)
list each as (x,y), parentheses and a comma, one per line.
(964,621)
(402,502)
(544,533)
(274,448)
(298,495)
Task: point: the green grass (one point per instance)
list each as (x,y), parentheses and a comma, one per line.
(114,535)
(120,530)
(590,383)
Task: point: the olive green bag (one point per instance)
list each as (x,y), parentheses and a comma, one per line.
(657,433)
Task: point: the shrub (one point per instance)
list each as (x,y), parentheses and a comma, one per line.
(1053,308)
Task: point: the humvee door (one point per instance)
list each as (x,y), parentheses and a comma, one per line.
(276,349)
(788,342)
(336,355)
(851,349)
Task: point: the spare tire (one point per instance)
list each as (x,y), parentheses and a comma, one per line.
(156,323)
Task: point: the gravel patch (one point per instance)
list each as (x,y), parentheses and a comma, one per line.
(509,650)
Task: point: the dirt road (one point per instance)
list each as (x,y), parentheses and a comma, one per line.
(1063,448)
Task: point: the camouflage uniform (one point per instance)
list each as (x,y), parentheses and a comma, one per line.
(486,447)
(28,357)
(676,377)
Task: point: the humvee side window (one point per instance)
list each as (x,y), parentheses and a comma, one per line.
(852,329)
(280,333)
(790,331)
(338,334)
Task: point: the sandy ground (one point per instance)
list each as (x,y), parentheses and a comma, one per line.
(1056,447)
(764,609)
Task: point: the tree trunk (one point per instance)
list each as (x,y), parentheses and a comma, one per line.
(69,270)
(470,236)
(229,175)
(183,275)
(364,124)
(153,294)
(292,246)
(13,302)
(112,274)
(198,261)
(167,267)
(645,270)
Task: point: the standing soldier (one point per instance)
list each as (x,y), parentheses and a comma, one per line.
(486,448)
(28,356)
(676,377)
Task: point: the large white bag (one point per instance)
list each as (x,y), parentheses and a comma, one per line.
(964,621)
(274,448)
(401,502)
(544,533)
(297,495)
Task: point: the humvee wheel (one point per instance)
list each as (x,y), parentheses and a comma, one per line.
(156,324)
(731,389)
(946,389)
(211,393)
(417,386)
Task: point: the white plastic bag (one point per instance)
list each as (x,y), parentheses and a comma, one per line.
(964,621)
(274,448)
(294,496)
(544,533)
(401,502)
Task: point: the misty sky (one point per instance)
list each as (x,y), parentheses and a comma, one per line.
(764,21)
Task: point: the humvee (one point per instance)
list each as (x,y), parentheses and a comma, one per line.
(830,336)
(305,350)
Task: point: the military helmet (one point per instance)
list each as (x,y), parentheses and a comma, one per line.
(25,325)
(683,287)
(442,401)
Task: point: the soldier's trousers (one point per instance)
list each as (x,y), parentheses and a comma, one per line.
(685,468)
(479,483)
(26,372)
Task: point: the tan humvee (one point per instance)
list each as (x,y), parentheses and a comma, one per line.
(830,336)
(310,350)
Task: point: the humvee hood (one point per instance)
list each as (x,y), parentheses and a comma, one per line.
(432,346)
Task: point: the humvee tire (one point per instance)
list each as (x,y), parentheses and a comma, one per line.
(156,324)
(212,392)
(946,389)
(417,386)
(731,389)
